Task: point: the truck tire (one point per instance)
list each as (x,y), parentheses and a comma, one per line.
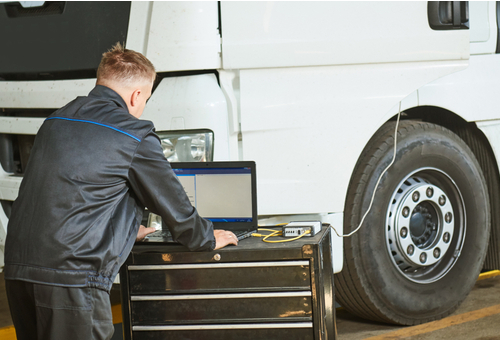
(423,243)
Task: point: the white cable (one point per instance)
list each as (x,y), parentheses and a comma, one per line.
(378,181)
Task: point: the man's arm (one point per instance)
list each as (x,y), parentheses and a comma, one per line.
(157,187)
(222,237)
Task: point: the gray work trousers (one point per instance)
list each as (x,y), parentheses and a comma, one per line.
(47,312)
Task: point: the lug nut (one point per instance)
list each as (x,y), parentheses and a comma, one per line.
(442,200)
(423,257)
(406,211)
(446,237)
(436,253)
(429,192)
(448,217)
(410,250)
(415,196)
(404,232)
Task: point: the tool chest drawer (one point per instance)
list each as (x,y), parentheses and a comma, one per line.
(219,277)
(244,292)
(213,308)
(235,332)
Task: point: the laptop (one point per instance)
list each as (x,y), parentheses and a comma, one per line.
(222,192)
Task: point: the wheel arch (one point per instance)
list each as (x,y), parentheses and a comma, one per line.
(482,149)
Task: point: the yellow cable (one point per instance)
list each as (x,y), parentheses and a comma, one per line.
(287,240)
(273,226)
(271,230)
(277,233)
(274,233)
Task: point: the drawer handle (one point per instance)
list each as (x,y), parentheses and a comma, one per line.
(236,326)
(219,296)
(220,265)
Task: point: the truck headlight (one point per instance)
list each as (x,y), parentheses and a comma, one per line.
(187,145)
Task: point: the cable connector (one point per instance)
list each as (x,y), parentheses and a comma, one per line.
(294,229)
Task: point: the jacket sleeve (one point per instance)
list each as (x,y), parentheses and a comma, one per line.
(157,187)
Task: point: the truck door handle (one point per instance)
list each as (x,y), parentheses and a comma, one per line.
(448,15)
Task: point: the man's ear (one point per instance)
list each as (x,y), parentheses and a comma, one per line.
(134,98)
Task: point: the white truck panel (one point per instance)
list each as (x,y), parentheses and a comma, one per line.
(191,102)
(9,186)
(138,26)
(3,233)
(336,221)
(229,80)
(295,123)
(479,21)
(183,35)
(9,189)
(20,125)
(42,94)
(472,93)
(483,30)
(302,33)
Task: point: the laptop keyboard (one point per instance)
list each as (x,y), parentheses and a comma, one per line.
(165,236)
(241,235)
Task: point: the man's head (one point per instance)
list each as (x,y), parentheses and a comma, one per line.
(128,73)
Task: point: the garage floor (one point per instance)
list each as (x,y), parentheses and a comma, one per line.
(478,318)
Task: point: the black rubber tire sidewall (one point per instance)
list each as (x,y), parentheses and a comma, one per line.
(394,297)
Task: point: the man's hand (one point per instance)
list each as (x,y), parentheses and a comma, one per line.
(223,238)
(143,232)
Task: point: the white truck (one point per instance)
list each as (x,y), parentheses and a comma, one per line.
(313,93)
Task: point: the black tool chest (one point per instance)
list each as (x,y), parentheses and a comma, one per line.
(255,290)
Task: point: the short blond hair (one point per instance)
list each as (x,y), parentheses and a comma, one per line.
(125,66)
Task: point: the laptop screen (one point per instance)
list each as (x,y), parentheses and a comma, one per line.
(222,192)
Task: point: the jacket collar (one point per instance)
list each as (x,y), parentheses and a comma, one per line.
(105,92)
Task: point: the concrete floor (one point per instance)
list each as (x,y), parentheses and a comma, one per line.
(478,318)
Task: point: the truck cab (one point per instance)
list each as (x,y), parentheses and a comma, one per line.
(350,110)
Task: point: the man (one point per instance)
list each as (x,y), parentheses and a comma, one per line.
(92,169)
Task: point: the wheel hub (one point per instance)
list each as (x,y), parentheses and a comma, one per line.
(423,224)
(420,224)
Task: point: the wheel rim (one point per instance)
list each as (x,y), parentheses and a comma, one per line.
(425,225)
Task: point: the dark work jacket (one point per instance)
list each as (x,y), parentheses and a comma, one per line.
(92,169)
